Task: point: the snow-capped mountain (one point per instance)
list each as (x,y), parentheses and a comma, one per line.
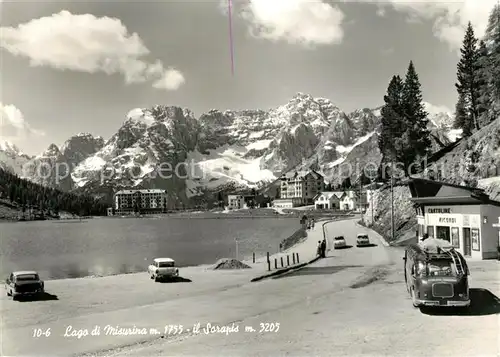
(168,147)
(12,158)
(53,167)
(441,123)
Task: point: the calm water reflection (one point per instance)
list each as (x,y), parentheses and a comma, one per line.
(117,246)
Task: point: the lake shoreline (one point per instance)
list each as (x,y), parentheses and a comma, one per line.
(202,267)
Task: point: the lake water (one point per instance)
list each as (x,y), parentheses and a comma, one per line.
(107,246)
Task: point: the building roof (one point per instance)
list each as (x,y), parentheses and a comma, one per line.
(430,192)
(302,174)
(152,190)
(329,194)
(163,260)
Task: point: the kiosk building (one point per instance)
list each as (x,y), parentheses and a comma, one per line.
(458,214)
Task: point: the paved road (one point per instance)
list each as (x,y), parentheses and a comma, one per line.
(352,302)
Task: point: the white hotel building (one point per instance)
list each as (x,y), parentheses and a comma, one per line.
(299,188)
(462,215)
(144,201)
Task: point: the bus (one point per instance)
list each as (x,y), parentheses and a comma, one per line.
(436,274)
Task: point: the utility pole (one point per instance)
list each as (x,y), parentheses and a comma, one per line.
(360,200)
(392,201)
(236,241)
(371,198)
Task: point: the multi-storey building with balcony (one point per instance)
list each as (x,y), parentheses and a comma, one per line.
(236,201)
(142,201)
(301,186)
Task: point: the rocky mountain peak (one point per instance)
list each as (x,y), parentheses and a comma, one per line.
(80,146)
(10,148)
(51,151)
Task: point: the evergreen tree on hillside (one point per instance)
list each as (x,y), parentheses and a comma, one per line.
(416,141)
(467,76)
(27,195)
(484,100)
(493,25)
(494,61)
(392,120)
(461,118)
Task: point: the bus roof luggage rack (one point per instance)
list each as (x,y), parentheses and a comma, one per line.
(439,249)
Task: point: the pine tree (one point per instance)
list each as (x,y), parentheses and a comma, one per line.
(461,119)
(468,77)
(493,25)
(494,61)
(391,121)
(483,79)
(415,140)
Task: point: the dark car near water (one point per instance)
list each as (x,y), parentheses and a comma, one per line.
(436,275)
(24,283)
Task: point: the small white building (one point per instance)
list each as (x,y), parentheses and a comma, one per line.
(236,201)
(327,200)
(460,215)
(288,202)
(342,200)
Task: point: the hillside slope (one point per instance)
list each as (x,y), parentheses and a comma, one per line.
(474,161)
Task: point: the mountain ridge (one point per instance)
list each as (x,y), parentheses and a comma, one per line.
(218,149)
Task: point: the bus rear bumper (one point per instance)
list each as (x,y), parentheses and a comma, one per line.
(449,303)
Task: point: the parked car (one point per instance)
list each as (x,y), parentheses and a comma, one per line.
(339,242)
(24,283)
(163,268)
(362,240)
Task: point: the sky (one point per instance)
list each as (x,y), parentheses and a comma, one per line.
(80,66)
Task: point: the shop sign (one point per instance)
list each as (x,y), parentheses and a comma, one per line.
(439,210)
(447,220)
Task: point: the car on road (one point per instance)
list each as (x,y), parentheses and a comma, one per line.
(24,283)
(163,268)
(339,242)
(362,240)
(436,275)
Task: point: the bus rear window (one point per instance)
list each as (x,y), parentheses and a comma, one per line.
(440,268)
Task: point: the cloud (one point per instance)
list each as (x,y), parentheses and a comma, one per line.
(304,22)
(435,109)
(85,43)
(171,80)
(450,17)
(13,125)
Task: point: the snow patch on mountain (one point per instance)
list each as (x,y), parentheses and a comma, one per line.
(222,166)
(344,151)
(12,159)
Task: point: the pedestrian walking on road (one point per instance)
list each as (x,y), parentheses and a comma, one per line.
(319,250)
(323,248)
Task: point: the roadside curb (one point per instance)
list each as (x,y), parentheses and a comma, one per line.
(384,242)
(283,271)
(295,267)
